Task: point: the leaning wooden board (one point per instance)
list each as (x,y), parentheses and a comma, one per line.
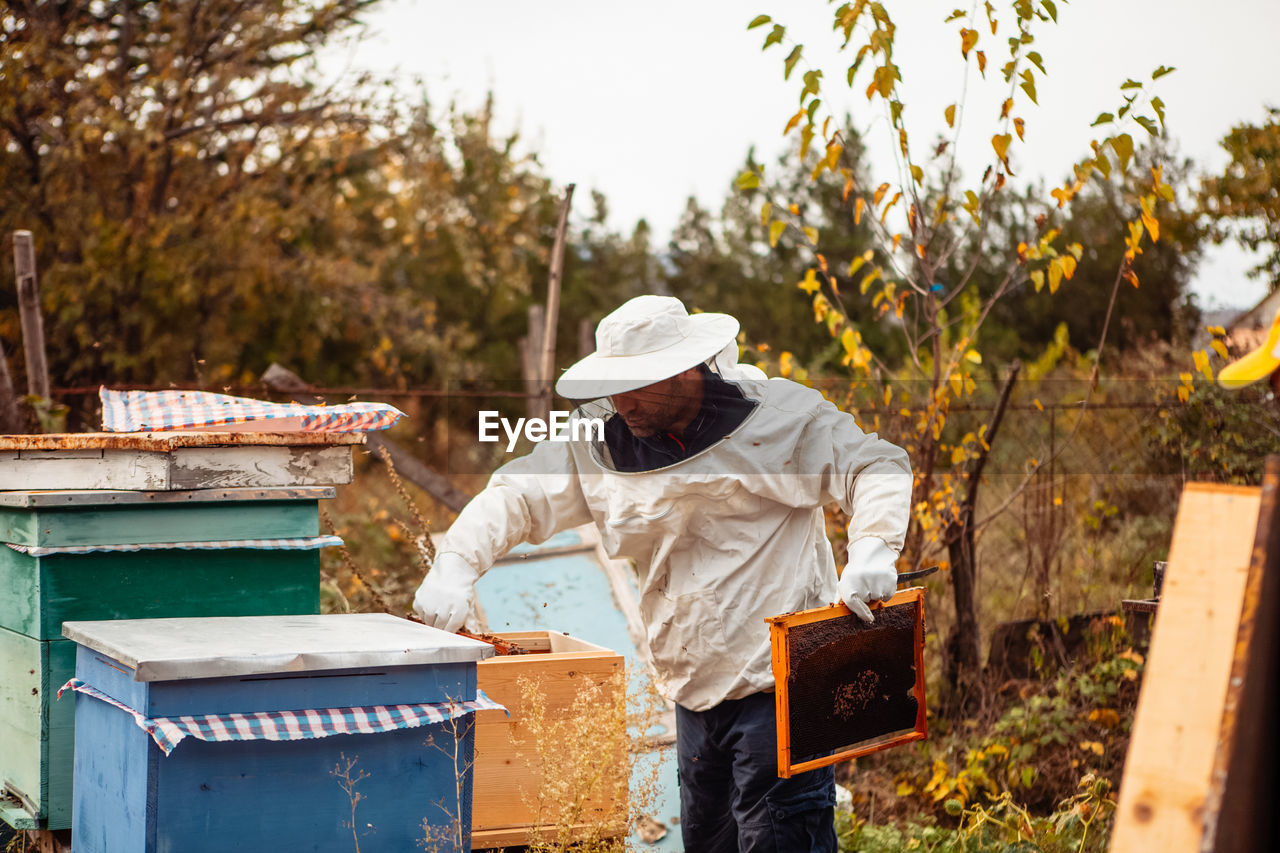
(1177,730)
(175,460)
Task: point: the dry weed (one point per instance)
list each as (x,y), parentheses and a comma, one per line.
(598,780)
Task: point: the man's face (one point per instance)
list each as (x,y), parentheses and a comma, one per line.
(658,407)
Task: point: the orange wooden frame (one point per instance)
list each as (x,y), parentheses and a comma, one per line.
(779,629)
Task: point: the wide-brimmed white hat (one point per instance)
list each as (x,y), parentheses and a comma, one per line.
(645,340)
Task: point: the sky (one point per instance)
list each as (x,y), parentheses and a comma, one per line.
(653,103)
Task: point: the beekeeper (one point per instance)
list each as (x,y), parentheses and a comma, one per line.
(712,479)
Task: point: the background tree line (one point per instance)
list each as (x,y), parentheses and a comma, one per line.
(205,202)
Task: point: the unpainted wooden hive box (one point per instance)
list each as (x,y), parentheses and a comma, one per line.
(507,778)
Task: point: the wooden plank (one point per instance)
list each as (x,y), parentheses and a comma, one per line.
(134,470)
(205,468)
(163,442)
(40,593)
(32,499)
(1239,814)
(505,782)
(60,714)
(22,681)
(1176,728)
(197,467)
(136,524)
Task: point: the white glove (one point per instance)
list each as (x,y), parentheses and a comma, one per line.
(444,598)
(870,575)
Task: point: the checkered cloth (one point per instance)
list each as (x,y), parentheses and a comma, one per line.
(168,732)
(157,411)
(310,543)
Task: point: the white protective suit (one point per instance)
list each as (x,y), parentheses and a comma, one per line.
(720,540)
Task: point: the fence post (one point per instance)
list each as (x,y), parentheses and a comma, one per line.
(10,420)
(24,268)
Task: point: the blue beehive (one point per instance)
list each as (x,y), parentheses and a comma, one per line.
(394,789)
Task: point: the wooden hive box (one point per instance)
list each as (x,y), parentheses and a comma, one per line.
(43,584)
(172,461)
(508,780)
(409,785)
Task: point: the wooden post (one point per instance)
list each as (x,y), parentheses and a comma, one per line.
(24,267)
(10,420)
(553,304)
(531,361)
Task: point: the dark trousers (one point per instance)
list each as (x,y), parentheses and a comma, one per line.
(731,799)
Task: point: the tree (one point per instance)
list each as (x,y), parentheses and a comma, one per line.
(933,234)
(189,186)
(1162,309)
(1244,201)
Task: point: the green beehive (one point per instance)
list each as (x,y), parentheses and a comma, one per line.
(102,554)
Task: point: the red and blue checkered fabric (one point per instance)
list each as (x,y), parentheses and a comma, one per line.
(168,732)
(158,411)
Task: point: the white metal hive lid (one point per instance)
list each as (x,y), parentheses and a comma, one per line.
(220,646)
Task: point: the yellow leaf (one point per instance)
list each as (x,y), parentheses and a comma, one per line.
(1220,348)
(1201,358)
(766,211)
(888,395)
(785,362)
(856,263)
(868,279)
(810,284)
(1019,127)
(775,231)
(880,192)
(833,155)
(1068,266)
(950,114)
(1037,278)
(982,62)
(1000,142)
(849,340)
(1055,274)
(795,119)
(1148,218)
(812,234)
(968,38)
(1039,405)
(857,210)
(973,356)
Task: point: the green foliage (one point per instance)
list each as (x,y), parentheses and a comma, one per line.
(185,183)
(1216,434)
(1080,823)
(1244,201)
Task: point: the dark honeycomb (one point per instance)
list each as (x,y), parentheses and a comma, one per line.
(851,682)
